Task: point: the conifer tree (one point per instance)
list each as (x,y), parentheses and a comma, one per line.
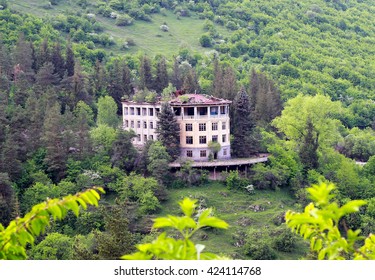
(265,98)
(176,78)
(54,142)
(161,80)
(69,61)
(191,84)
(44,55)
(168,131)
(58,61)
(46,76)
(145,74)
(242,126)
(7,200)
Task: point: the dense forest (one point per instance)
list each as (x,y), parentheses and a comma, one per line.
(301,77)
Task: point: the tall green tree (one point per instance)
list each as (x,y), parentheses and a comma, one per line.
(242,126)
(123,152)
(168,130)
(308,151)
(161,79)
(55,142)
(7,200)
(145,74)
(107,112)
(69,61)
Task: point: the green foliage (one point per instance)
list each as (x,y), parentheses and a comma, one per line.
(320,222)
(142,190)
(168,130)
(167,248)
(55,246)
(107,112)
(22,231)
(234,181)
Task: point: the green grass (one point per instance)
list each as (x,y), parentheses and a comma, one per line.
(234,207)
(183,33)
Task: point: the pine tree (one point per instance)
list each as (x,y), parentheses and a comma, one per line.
(58,61)
(265,98)
(126,79)
(46,76)
(99,80)
(145,74)
(7,200)
(168,131)
(242,126)
(176,78)
(54,142)
(161,80)
(191,84)
(69,61)
(44,55)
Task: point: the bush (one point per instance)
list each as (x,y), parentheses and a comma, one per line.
(285,241)
(205,41)
(124,20)
(259,250)
(164,28)
(234,181)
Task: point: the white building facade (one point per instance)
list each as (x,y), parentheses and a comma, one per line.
(202,119)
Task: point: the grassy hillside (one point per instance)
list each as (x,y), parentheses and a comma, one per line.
(261,211)
(184,32)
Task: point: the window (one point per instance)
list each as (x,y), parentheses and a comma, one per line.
(145,137)
(224,138)
(214,126)
(222,110)
(151,137)
(126,110)
(131,111)
(138,111)
(223,125)
(189,139)
(189,153)
(139,137)
(214,138)
(203,153)
(144,124)
(132,124)
(151,111)
(214,111)
(202,127)
(202,140)
(139,124)
(189,127)
(225,152)
(144,112)
(126,123)
(151,125)
(202,111)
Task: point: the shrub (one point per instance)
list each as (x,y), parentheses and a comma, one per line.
(124,20)
(285,241)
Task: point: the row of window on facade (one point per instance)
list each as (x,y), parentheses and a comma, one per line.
(201,111)
(132,123)
(145,138)
(203,153)
(137,111)
(203,126)
(203,139)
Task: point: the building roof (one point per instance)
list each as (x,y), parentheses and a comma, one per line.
(197,99)
(188,100)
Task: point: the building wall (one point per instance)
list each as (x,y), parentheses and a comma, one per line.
(142,119)
(196,130)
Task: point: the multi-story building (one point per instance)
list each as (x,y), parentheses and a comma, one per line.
(202,119)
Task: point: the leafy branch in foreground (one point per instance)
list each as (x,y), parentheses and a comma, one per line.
(167,248)
(22,231)
(319,224)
